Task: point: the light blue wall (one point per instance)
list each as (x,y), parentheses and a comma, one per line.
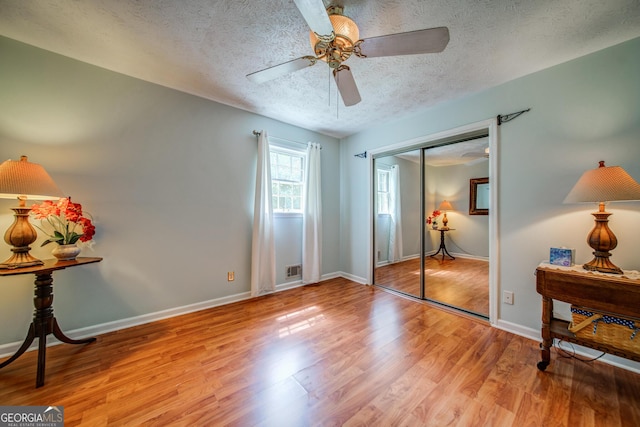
(169,178)
(582,111)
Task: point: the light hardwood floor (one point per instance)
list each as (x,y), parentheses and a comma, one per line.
(462,283)
(336,353)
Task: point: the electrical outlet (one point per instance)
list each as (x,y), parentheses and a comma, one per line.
(507,297)
(231,276)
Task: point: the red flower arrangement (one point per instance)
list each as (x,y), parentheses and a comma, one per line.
(64,217)
(434,216)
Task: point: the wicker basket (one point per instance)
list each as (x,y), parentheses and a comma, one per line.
(617,332)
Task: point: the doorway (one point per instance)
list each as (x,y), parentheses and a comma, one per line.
(428,242)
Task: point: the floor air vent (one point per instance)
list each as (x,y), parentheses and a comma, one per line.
(294,271)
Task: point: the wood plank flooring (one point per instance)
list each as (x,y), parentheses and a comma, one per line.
(332,354)
(462,283)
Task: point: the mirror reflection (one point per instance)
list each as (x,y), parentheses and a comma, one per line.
(397,227)
(482,200)
(451,266)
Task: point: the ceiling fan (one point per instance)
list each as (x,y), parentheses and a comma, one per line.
(335,37)
(476,156)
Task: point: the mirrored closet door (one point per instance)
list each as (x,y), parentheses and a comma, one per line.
(397,222)
(429,241)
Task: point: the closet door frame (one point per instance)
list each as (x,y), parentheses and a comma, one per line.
(429,141)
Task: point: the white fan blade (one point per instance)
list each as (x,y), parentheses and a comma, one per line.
(476,161)
(314,12)
(432,40)
(281,69)
(347,86)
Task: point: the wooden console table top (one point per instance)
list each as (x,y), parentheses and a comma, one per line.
(49,265)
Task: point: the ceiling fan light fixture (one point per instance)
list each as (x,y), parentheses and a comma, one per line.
(339,49)
(343,25)
(335,37)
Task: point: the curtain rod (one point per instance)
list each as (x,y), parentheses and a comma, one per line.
(257,133)
(504,118)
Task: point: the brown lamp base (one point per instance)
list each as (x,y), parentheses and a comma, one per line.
(21,258)
(602,240)
(602,265)
(20,235)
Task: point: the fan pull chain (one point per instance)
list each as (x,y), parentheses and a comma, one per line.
(329,88)
(337,96)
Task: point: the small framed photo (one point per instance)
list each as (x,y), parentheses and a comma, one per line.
(562,256)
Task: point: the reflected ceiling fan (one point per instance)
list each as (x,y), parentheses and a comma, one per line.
(335,37)
(476,156)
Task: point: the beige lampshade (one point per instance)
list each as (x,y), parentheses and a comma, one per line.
(604,184)
(445,206)
(23,178)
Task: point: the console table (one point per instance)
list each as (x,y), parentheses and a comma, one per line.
(44,323)
(607,294)
(442,247)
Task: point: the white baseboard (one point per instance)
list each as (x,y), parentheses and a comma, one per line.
(514,328)
(535,334)
(298,283)
(468,256)
(432,252)
(289,285)
(103,328)
(353,278)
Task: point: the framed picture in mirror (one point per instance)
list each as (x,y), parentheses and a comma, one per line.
(479,196)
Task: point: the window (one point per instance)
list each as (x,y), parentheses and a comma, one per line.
(383,191)
(287,179)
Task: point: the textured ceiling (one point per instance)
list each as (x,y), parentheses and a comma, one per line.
(206,47)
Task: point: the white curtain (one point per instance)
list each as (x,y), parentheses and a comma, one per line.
(395,223)
(263,259)
(312,218)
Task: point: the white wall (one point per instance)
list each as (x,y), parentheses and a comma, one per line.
(169,178)
(582,111)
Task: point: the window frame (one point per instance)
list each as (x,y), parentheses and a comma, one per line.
(386,170)
(292,152)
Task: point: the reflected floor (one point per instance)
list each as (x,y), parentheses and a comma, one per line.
(462,282)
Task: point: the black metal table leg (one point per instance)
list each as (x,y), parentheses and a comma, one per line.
(442,247)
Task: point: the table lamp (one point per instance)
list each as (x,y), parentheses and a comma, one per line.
(601,185)
(24,180)
(444,207)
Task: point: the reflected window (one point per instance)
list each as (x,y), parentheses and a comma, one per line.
(384,196)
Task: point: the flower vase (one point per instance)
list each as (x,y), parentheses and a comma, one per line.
(66,252)
(434,225)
